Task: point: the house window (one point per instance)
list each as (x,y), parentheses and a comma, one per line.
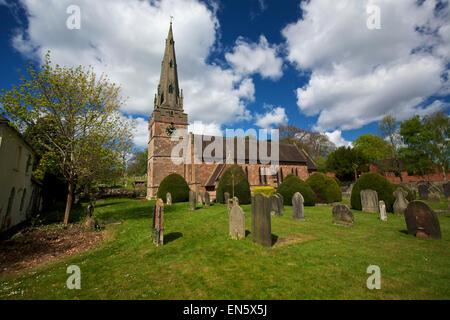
(296,172)
(151,133)
(171,63)
(281,172)
(170,89)
(24,193)
(259,173)
(265,176)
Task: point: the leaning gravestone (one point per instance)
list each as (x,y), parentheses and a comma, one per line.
(298,210)
(168,198)
(200,197)
(207,199)
(400,203)
(383,214)
(237,223)
(158,223)
(275,206)
(446,188)
(192,200)
(261,224)
(423,191)
(342,216)
(369,200)
(226,197)
(421,221)
(282,201)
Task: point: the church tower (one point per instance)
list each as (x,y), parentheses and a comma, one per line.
(167,117)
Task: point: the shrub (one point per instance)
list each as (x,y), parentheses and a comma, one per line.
(293,184)
(373,181)
(241,185)
(325,188)
(176,185)
(267,191)
(410,197)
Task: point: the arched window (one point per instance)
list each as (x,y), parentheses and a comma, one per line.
(170,89)
(296,172)
(171,64)
(259,173)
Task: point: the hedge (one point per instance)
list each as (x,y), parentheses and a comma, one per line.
(325,188)
(267,191)
(241,185)
(293,184)
(373,181)
(176,185)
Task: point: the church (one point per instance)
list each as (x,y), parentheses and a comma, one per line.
(202,174)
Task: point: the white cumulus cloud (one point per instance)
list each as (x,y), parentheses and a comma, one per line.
(274,117)
(337,139)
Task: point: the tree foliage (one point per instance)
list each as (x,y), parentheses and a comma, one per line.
(373,181)
(293,184)
(176,185)
(83,129)
(234,176)
(326,189)
(388,128)
(137,164)
(372,147)
(345,161)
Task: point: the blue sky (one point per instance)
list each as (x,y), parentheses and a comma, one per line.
(250,63)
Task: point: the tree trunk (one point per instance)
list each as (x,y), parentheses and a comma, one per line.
(68,204)
(444,174)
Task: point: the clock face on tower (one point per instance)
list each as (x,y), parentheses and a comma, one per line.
(170,130)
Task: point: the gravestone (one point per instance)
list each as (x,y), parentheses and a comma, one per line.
(446,188)
(383,214)
(421,221)
(200,197)
(434,196)
(298,210)
(169,198)
(282,201)
(158,223)
(207,199)
(235,201)
(192,200)
(275,205)
(423,191)
(237,223)
(400,203)
(226,197)
(342,215)
(89,210)
(261,224)
(369,200)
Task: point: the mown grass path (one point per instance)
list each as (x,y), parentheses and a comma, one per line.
(200,261)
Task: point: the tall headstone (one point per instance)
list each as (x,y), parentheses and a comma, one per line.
(168,198)
(158,223)
(423,191)
(237,223)
(421,221)
(342,215)
(369,200)
(200,197)
(275,205)
(192,200)
(235,201)
(400,203)
(383,214)
(261,224)
(226,197)
(434,196)
(298,210)
(282,201)
(207,199)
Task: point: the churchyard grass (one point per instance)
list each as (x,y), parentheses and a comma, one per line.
(200,261)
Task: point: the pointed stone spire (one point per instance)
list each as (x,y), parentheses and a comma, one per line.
(168,96)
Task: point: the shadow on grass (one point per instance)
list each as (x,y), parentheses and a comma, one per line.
(103,204)
(404,231)
(274,239)
(247,233)
(172,237)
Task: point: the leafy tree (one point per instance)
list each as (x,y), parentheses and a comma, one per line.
(84,129)
(234,180)
(176,185)
(346,163)
(137,165)
(373,147)
(388,128)
(438,125)
(321,163)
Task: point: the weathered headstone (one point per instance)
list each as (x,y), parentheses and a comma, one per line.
(275,205)
(200,197)
(383,214)
(261,224)
(235,201)
(423,191)
(169,198)
(226,197)
(400,203)
(282,201)
(192,200)
(298,210)
(369,200)
(158,223)
(434,196)
(237,223)
(446,188)
(89,210)
(421,221)
(342,215)
(207,199)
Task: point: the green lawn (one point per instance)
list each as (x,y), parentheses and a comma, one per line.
(200,261)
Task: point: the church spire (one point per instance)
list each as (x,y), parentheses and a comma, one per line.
(168,96)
